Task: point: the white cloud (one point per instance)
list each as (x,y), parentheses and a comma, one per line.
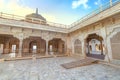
(98,2)
(14,7)
(1,3)
(78,3)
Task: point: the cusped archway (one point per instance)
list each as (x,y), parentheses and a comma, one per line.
(56,46)
(14,45)
(8,44)
(94,46)
(34,45)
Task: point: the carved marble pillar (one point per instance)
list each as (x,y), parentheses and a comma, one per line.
(65,45)
(84,48)
(88,46)
(65,49)
(20,48)
(46,47)
(106,51)
(107,58)
(45,36)
(20,36)
(101,46)
(68,46)
(109,49)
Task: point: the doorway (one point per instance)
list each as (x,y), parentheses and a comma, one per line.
(94,46)
(1,48)
(13,48)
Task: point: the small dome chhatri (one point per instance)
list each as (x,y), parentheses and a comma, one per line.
(35,17)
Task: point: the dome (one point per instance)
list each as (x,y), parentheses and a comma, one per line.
(35,16)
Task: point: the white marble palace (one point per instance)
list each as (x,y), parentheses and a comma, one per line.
(96,35)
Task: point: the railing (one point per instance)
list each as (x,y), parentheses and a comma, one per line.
(95,12)
(33,20)
(91,14)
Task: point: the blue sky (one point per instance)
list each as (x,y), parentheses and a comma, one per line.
(59,11)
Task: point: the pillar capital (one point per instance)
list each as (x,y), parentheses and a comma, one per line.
(64,39)
(20,36)
(47,39)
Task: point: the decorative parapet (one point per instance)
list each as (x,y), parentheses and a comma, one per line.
(97,15)
(22,24)
(105,11)
(31,20)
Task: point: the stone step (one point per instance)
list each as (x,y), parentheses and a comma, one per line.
(78,63)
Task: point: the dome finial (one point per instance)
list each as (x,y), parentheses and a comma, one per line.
(36,10)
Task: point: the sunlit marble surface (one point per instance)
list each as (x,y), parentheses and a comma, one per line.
(50,69)
(116,62)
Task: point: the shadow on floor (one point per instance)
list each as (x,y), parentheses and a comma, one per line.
(98,56)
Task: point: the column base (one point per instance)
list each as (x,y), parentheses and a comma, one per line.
(19,55)
(84,55)
(46,54)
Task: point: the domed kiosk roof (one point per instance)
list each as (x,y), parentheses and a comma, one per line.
(36,16)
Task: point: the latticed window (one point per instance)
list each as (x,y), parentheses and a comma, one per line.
(77,46)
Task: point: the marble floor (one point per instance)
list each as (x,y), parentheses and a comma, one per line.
(116,62)
(50,69)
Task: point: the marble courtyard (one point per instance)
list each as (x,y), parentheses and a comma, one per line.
(50,69)
(32,48)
